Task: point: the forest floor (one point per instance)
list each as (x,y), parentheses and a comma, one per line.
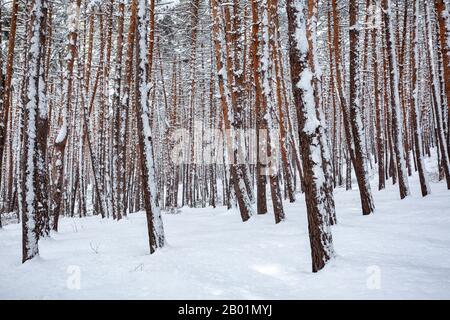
(400,251)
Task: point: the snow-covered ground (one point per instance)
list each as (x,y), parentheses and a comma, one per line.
(401,251)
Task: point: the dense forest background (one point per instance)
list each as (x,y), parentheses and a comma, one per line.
(112,107)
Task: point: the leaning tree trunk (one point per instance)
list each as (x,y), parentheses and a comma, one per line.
(301,37)
(154,220)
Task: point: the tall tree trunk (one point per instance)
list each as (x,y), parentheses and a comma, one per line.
(301,36)
(443,11)
(340,89)
(438,101)
(261,205)
(417,132)
(359,162)
(278,60)
(227,99)
(378,111)
(154,220)
(397,131)
(33,203)
(6,93)
(269,111)
(61,138)
(119,127)
(2,80)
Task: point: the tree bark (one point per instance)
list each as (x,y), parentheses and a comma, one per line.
(154,220)
(33,203)
(305,97)
(356,121)
(397,131)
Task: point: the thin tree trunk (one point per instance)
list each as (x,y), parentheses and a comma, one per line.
(261,205)
(356,121)
(424,186)
(6,94)
(378,112)
(154,220)
(395,100)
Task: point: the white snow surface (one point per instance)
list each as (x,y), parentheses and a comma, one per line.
(211,254)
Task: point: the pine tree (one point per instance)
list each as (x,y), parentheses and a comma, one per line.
(6,92)
(397,131)
(359,157)
(61,138)
(301,16)
(233,148)
(33,202)
(153,214)
(424,185)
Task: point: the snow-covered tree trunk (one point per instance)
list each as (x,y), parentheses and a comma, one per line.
(333,102)
(236,28)
(230,55)
(277,58)
(33,199)
(151,39)
(102,203)
(154,220)
(89,49)
(105,98)
(317,86)
(342,100)
(61,139)
(261,204)
(380,141)
(2,80)
(402,63)
(397,132)
(438,99)
(227,100)
(191,166)
(172,185)
(119,124)
(443,11)
(356,120)
(415,114)
(300,13)
(123,112)
(390,155)
(6,93)
(268,102)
